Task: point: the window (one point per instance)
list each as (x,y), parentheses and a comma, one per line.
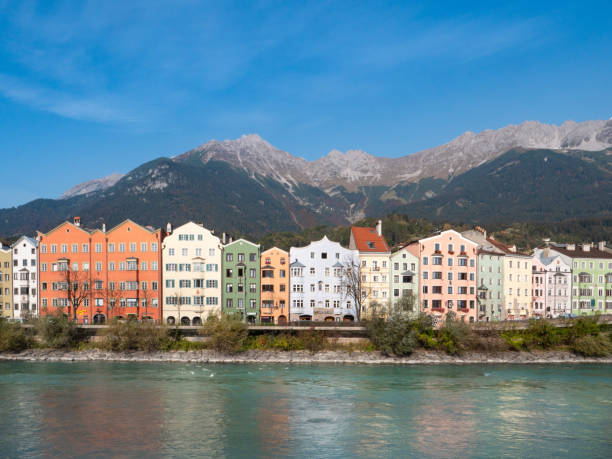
(184,252)
(143,246)
(121,247)
(229,257)
(437,247)
(229,288)
(436,260)
(111,247)
(153,246)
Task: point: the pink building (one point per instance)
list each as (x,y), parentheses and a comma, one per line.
(447,275)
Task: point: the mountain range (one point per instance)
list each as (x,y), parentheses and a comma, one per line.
(527,172)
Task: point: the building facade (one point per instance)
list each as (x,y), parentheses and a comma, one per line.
(6,282)
(111,274)
(191,277)
(591,276)
(274,286)
(552,285)
(319,284)
(490,280)
(448,275)
(374,259)
(25,278)
(241,280)
(517,286)
(404,280)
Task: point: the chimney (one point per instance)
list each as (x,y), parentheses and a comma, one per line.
(223,238)
(77,221)
(601,245)
(104,227)
(379,227)
(546,252)
(512,248)
(586,247)
(481,230)
(231,239)
(570,246)
(169,228)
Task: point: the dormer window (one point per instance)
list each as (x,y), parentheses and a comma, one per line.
(371,245)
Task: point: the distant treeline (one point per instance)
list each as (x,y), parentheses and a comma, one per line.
(399,229)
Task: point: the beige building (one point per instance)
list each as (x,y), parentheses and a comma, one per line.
(191,258)
(517,282)
(6,282)
(374,261)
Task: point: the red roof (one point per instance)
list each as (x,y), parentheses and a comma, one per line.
(505,248)
(368,240)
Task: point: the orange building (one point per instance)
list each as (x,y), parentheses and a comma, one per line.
(111,274)
(274,286)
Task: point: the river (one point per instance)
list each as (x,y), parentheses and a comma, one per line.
(101,409)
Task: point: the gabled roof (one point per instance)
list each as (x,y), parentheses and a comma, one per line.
(32,241)
(579,253)
(72,225)
(367,240)
(297,264)
(275,248)
(243,240)
(337,265)
(505,248)
(128,220)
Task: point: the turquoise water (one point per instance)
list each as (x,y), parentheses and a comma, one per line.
(104,409)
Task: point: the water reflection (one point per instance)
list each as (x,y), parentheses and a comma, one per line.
(86,420)
(181,410)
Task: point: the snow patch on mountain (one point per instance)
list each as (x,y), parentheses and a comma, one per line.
(92,185)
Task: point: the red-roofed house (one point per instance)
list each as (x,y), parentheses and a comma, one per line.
(374,256)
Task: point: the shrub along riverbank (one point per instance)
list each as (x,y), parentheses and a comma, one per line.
(396,337)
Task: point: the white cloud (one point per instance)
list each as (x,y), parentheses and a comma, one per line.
(91,108)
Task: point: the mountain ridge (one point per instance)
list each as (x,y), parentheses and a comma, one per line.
(249,187)
(356,167)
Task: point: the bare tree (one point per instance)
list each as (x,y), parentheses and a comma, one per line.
(113,298)
(147,295)
(75,285)
(406,304)
(354,286)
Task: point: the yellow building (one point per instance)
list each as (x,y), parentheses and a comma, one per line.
(6,282)
(517,282)
(374,272)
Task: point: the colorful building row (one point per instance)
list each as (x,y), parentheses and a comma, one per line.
(183,275)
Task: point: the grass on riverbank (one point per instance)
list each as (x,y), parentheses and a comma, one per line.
(398,336)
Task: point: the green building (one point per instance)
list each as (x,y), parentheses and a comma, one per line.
(591,276)
(490,289)
(404,281)
(241,280)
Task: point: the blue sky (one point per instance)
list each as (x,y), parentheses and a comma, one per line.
(88,88)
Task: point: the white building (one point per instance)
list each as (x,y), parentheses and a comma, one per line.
(552,284)
(25,278)
(316,282)
(191,258)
